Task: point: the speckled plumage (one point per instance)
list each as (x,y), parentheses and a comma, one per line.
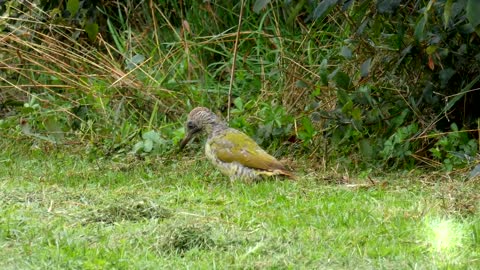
(234,153)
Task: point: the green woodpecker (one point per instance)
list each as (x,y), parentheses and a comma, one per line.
(233,152)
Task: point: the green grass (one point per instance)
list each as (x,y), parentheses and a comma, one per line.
(62,209)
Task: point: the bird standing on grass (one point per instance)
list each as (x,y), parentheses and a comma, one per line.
(233,152)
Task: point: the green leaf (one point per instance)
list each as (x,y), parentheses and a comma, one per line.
(238,103)
(447,13)
(307,125)
(73,6)
(356,114)
(420,28)
(137,147)
(473,12)
(92,30)
(293,14)
(259,5)
(134,61)
(365,68)
(343,97)
(346,52)
(152,136)
(323,9)
(342,80)
(348,107)
(147,146)
(431,49)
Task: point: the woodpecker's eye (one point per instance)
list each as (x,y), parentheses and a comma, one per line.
(191,125)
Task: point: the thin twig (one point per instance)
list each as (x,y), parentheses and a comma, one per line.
(232,72)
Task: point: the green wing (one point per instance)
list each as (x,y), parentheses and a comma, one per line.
(235,146)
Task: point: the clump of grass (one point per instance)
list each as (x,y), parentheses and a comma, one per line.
(180,239)
(119,211)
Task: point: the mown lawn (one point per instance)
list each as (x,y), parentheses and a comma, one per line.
(63,210)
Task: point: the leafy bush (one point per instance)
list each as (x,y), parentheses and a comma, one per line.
(372,81)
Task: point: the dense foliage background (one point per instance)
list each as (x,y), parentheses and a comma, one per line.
(364,84)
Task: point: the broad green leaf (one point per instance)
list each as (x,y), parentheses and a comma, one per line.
(152,136)
(92,30)
(307,125)
(137,147)
(342,80)
(420,28)
(473,12)
(259,5)
(147,146)
(73,6)
(238,103)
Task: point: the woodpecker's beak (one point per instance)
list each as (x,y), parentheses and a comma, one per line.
(191,131)
(185,140)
